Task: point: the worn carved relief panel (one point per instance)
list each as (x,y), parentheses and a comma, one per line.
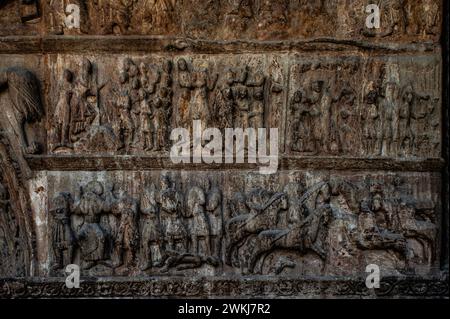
(132,107)
(86,176)
(353,106)
(203,223)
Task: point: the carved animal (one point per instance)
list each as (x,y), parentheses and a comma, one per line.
(23,90)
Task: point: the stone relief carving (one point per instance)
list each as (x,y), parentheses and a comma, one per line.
(134,110)
(329,108)
(251,19)
(168,229)
(303,66)
(24,93)
(329,112)
(112,232)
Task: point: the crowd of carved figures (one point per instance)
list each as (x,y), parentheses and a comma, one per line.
(166,230)
(328,112)
(162,230)
(330,116)
(135,113)
(259,19)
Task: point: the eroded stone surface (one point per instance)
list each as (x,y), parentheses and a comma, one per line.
(86,176)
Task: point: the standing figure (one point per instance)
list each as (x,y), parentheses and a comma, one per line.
(146,124)
(64,107)
(125,209)
(85,112)
(125,123)
(404,136)
(224,107)
(256,115)
(389,117)
(175,236)
(321,100)
(91,236)
(185,82)
(159,120)
(242,106)
(214,210)
(344,125)
(199,227)
(63,237)
(203,84)
(372,131)
(150,230)
(302,124)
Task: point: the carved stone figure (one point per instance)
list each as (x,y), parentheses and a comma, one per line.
(389,117)
(372,130)
(214,211)
(302,124)
(404,136)
(125,123)
(151,235)
(91,236)
(169,199)
(23,90)
(376,224)
(321,101)
(126,243)
(63,238)
(199,226)
(66,104)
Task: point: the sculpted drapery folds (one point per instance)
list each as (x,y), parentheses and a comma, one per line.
(172,230)
(87,142)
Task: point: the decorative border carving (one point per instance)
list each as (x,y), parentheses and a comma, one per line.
(254,287)
(89,163)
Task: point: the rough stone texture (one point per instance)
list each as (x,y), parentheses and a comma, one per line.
(86,176)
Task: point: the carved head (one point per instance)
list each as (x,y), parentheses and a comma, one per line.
(391,90)
(317,86)
(135,84)
(130,67)
(214,200)
(68,76)
(298,96)
(259,94)
(94,187)
(142,94)
(182,65)
(86,68)
(228,93)
(229,76)
(143,68)
(243,93)
(238,204)
(408,94)
(406,209)
(61,204)
(164,182)
(123,77)
(167,66)
(196,196)
(284,204)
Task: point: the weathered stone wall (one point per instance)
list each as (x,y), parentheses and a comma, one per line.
(86,177)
